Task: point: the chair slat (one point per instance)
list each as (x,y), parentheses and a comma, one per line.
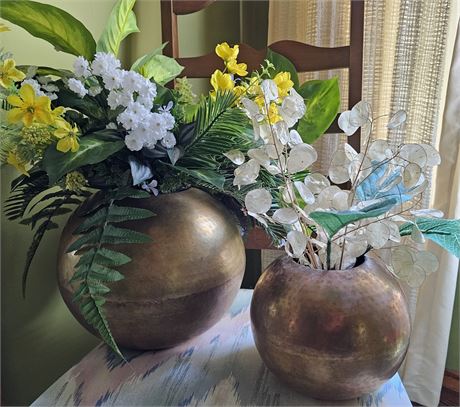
(306,58)
(182,7)
(259,240)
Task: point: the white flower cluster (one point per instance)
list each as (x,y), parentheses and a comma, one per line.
(42,87)
(128,90)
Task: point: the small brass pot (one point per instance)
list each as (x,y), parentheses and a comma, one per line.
(175,287)
(335,334)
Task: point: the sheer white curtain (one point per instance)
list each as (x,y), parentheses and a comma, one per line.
(407,55)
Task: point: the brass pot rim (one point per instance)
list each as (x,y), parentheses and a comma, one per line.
(359,262)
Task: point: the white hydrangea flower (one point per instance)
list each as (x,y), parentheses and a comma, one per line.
(146,101)
(104,62)
(77,86)
(157,125)
(51,96)
(168,141)
(168,120)
(125,98)
(133,82)
(35,85)
(133,142)
(113,99)
(128,120)
(113,79)
(81,67)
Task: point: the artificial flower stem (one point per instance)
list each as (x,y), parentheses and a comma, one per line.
(353,185)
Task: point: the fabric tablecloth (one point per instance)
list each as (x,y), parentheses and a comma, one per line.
(219,367)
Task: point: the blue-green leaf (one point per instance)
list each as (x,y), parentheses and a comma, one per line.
(444,232)
(283,64)
(93,149)
(322,98)
(121,23)
(52,24)
(333,221)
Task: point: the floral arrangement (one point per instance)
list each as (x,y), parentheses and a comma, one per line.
(119,133)
(326,227)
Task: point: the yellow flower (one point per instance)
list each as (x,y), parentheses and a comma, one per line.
(284,83)
(14,160)
(226,52)
(58,111)
(27,107)
(239,69)
(68,137)
(221,81)
(253,87)
(9,74)
(273,115)
(239,90)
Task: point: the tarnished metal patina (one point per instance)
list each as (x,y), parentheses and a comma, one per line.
(177,286)
(330,334)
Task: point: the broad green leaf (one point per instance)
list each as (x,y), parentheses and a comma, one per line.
(333,221)
(121,23)
(159,67)
(322,98)
(164,95)
(93,150)
(142,60)
(46,70)
(52,24)
(87,105)
(444,232)
(283,64)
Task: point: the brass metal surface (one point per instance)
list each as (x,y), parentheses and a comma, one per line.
(177,286)
(333,335)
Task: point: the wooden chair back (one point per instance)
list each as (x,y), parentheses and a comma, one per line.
(306,58)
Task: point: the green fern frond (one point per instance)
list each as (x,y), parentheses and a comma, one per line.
(44,217)
(23,191)
(94,269)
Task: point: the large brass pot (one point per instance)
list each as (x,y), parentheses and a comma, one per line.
(177,286)
(333,335)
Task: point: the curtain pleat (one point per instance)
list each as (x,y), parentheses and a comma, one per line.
(406,52)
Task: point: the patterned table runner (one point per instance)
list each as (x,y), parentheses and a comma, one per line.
(220,367)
